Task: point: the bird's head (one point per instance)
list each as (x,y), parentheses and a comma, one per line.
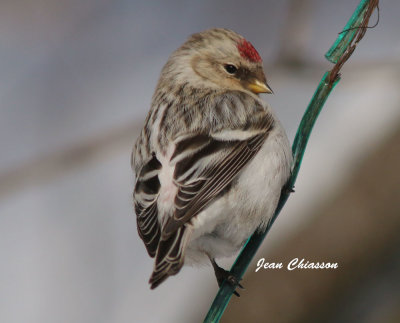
(218,58)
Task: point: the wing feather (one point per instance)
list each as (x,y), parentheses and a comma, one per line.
(145,198)
(202,176)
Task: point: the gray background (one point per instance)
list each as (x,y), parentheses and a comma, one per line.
(76,79)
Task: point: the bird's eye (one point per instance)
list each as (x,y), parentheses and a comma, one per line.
(231,69)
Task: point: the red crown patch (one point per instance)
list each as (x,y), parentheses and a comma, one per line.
(247,51)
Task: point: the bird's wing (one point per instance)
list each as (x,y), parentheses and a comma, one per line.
(206,165)
(145,198)
(168,252)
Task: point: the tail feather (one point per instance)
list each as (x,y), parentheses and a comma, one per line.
(169,256)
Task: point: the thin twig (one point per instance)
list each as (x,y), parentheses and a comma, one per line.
(361,30)
(367,27)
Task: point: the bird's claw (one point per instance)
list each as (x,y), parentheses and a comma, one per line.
(230,279)
(289,190)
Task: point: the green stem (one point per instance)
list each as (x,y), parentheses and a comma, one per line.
(346,36)
(299,145)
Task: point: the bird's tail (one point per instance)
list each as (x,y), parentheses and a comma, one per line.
(170,256)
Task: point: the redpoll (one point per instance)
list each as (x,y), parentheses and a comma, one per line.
(212,157)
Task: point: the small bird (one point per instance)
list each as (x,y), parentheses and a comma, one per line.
(211,159)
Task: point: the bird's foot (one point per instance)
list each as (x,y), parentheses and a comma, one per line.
(221,274)
(289,190)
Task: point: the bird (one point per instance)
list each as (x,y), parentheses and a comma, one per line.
(211,159)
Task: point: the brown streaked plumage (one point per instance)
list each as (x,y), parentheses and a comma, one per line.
(208,147)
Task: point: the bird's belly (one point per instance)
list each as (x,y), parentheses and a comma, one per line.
(223,227)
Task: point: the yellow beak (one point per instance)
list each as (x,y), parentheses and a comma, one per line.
(259,87)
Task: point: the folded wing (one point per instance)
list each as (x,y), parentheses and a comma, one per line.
(205,165)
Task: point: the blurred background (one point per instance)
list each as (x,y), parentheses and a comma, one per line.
(76,80)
